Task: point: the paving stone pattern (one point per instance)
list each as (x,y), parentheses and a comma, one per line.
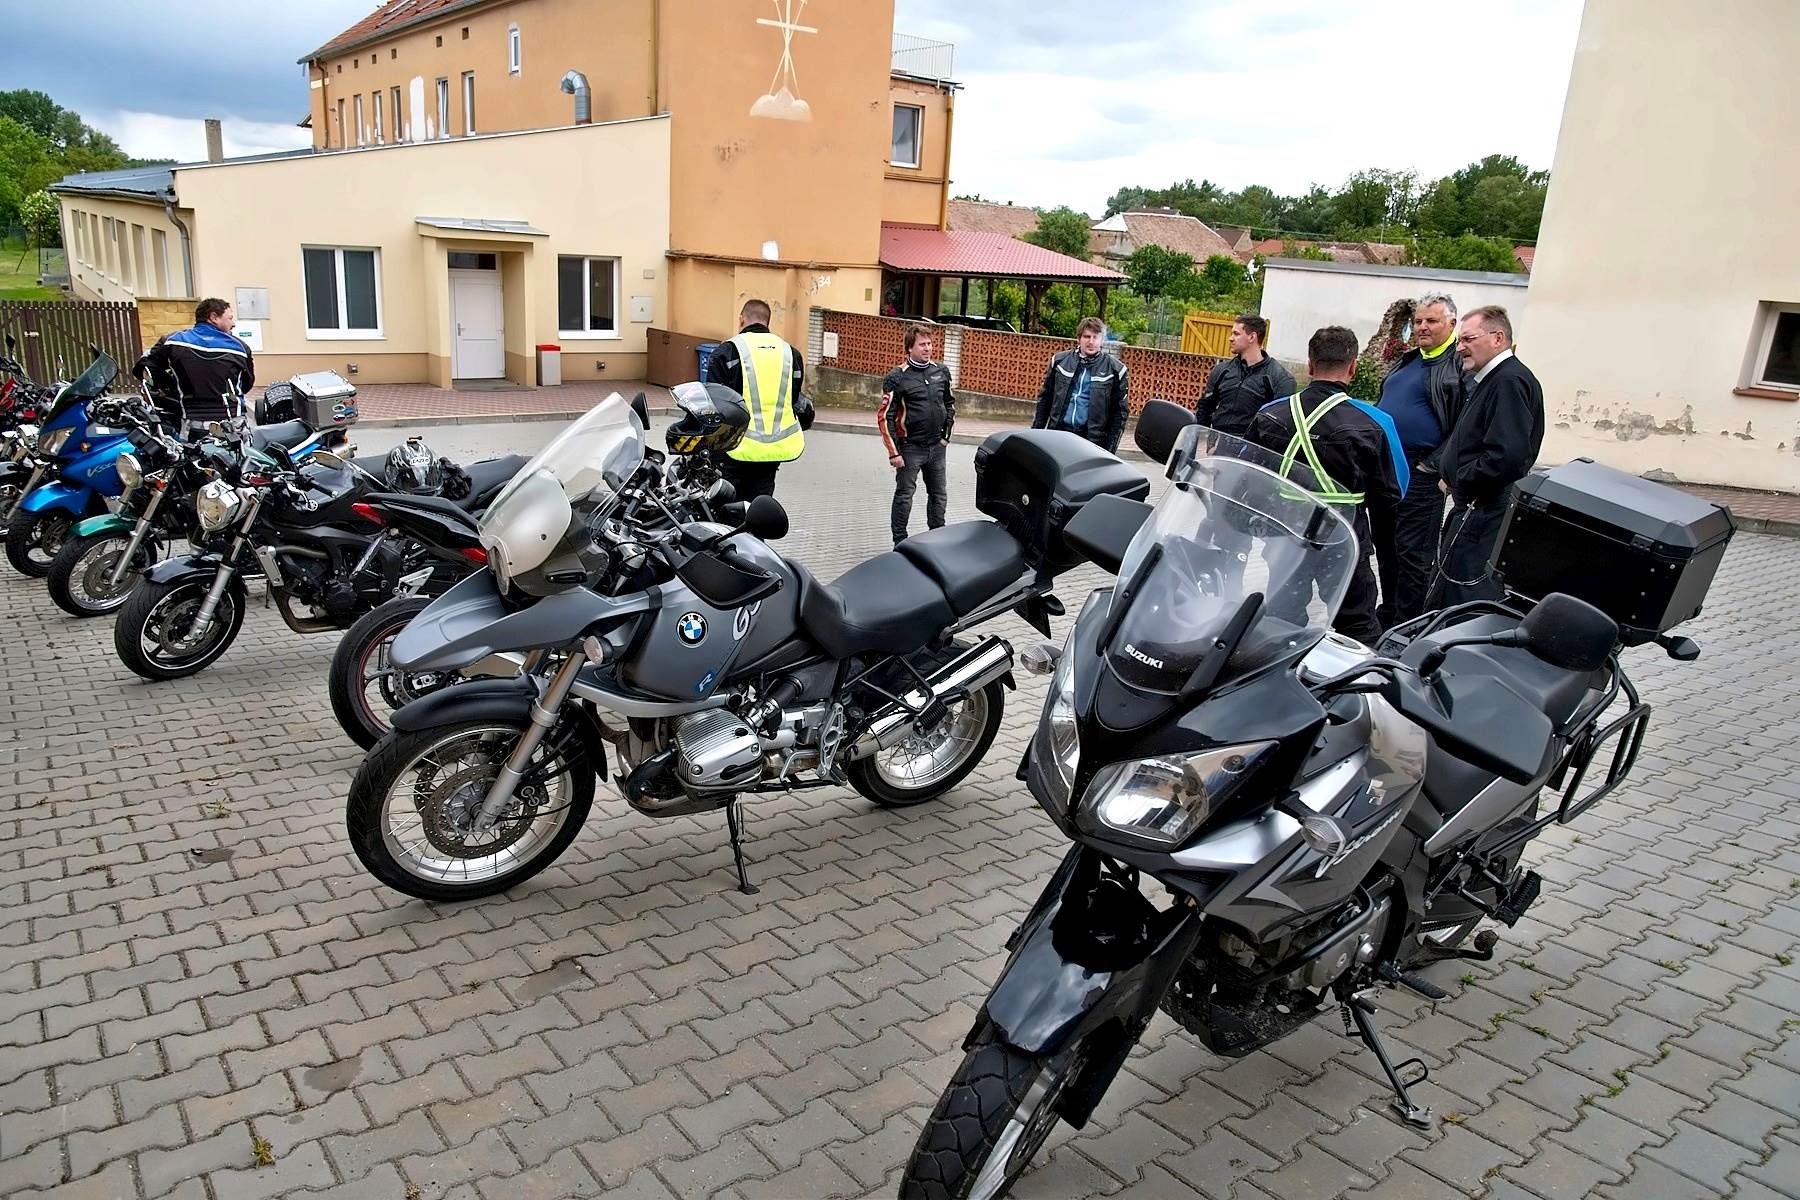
(192,966)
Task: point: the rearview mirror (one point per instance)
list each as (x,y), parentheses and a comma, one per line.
(326,458)
(642,408)
(766,519)
(1157,428)
(1568,632)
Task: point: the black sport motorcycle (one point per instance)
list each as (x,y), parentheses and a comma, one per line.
(1322,820)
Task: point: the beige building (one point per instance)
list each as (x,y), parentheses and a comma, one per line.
(1665,291)
(488,176)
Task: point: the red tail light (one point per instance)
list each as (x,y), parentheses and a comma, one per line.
(367,512)
(476,555)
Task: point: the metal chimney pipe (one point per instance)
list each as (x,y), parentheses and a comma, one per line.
(215,140)
(576,84)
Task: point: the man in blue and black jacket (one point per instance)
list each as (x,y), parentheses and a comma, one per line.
(1353,453)
(201,366)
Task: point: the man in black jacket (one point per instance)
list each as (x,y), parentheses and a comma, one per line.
(1494,444)
(202,366)
(1424,394)
(916,413)
(1084,390)
(1243,383)
(1352,453)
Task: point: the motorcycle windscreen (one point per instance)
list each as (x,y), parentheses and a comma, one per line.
(533,520)
(90,384)
(1233,542)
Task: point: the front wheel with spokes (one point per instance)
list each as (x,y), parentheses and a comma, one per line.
(994,1116)
(413,804)
(928,764)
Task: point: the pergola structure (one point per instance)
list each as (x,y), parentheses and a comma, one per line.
(921,257)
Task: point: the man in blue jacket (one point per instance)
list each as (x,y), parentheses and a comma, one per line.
(201,366)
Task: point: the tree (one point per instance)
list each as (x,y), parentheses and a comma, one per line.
(1063,230)
(1221,276)
(1155,271)
(1291,249)
(1466,252)
(1439,210)
(1374,199)
(42,218)
(24,164)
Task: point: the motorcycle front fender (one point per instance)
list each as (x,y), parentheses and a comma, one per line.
(57,496)
(1093,951)
(476,700)
(105,523)
(184,566)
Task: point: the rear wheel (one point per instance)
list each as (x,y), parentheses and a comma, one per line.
(926,765)
(413,802)
(154,632)
(997,1112)
(33,540)
(365,686)
(80,579)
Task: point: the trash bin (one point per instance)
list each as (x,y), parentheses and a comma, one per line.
(706,352)
(549,365)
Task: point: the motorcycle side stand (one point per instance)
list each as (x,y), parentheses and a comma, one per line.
(734,823)
(1357,1008)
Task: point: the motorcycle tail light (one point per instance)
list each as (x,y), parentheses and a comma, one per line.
(476,555)
(367,512)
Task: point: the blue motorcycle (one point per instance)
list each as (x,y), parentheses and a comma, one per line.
(74,475)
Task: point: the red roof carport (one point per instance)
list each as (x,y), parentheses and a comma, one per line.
(925,252)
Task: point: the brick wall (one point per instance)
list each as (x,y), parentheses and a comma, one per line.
(871,345)
(160,316)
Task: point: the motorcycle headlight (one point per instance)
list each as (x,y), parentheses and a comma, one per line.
(1163,800)
(54,441)
(131,471)
(216,505)
(1058,739)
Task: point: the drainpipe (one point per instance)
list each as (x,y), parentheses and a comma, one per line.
(187,244)
(576,84)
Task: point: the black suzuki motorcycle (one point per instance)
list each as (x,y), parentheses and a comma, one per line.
(1322,821)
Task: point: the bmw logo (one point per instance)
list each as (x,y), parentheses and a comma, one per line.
(691,628)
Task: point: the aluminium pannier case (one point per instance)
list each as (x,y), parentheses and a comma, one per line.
(1642,552)
(324,399)
(1034,481)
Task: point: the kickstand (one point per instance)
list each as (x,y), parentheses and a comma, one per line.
(733,819)
(1358,1009)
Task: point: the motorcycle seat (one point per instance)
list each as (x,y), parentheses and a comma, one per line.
(883,606)
(970,560)
(286,434)
(487,477)
(450,510)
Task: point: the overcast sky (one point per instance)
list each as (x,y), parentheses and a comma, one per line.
(1064,100)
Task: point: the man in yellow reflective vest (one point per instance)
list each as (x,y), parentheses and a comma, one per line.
(1351,456)
(767,373)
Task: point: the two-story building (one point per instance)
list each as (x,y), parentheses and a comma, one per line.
(492,175)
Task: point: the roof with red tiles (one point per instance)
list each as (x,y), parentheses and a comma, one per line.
(981,255)
(981,216)
(390,18)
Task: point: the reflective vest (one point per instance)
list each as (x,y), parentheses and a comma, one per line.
(768,366)
(1302,444)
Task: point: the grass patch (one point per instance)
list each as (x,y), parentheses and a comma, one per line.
(19,275)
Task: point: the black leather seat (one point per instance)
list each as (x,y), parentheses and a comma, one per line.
(970,560)
(450,510)
(1556,691)
(486,478)
(883,606)
(286,434)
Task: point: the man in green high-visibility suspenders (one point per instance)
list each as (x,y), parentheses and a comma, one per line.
(767,372)
(1350,450)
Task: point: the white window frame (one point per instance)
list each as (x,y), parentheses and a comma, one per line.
(443,106)
(918,137)
(357,109)
(468,97)
(515,51)
(377,334)
(587,292)
(380,121)
(1765,345)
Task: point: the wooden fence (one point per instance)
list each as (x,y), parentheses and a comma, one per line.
(1209,333)
(55,337)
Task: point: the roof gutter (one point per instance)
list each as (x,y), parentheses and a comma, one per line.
(187,243)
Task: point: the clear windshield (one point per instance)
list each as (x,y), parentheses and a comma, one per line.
(90,384)
(1235,543)
(544,506)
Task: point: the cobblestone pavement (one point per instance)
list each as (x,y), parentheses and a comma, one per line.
(193,968)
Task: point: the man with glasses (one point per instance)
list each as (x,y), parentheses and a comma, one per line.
(1424,394)
(1495,442)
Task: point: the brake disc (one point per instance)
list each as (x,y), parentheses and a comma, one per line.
(449,803)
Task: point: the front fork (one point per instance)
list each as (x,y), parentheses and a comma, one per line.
(543,719)
(137,536)
(37,477)
(227,567)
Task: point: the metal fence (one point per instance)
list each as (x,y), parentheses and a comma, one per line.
(57,338)
(923,58)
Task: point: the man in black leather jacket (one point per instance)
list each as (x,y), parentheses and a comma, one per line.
(1243,383)
(1085,390)
(202,366)
(1424,394)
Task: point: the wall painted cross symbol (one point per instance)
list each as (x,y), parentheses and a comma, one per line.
(780,103)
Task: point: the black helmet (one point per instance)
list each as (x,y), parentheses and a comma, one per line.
(413,468)
(713,417)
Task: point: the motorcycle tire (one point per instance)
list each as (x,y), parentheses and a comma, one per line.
(996,1113)
(382,782)
(890,778)
(365,719)
(78,574)
(150,602)
(33,540)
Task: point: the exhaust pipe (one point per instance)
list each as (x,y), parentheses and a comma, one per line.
(986,661)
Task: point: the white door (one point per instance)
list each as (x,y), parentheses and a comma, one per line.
(477,325)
